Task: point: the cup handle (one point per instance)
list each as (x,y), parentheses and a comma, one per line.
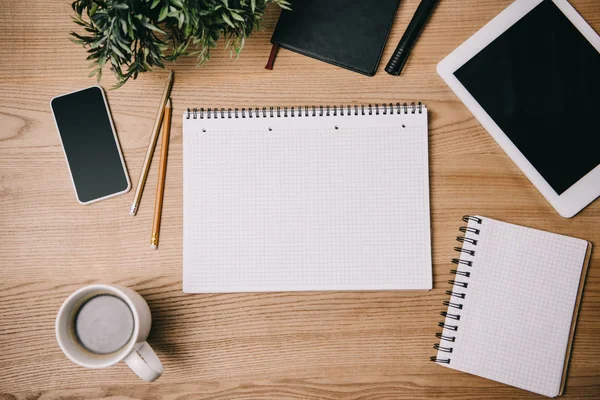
(145,363)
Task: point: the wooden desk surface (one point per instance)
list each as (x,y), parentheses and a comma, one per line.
(333,345)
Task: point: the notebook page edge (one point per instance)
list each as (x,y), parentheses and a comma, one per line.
(187,130)
(586,265)
(428,205)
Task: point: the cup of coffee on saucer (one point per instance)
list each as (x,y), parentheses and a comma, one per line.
(102,325)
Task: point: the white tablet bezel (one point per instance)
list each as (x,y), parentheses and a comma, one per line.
(587,188)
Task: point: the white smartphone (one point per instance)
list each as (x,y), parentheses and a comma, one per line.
(90,144)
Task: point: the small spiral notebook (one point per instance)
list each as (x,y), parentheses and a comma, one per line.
(513,305)
(306,198)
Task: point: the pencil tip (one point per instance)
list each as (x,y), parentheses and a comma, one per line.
(169,102)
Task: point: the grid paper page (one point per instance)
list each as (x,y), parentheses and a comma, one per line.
(516,318)
(306,206)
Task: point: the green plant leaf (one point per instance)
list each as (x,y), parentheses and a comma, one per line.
(237,16)
(163,13)
(227,20)
(116,50)
(152,27)
(124,26)
(284,4)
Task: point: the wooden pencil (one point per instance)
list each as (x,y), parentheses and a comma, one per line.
(162,170)
(150,151)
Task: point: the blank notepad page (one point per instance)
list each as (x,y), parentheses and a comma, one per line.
(516,314)
(306,203)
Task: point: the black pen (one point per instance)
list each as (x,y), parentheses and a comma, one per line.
(416,25)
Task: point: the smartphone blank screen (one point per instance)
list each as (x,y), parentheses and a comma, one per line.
(90,144)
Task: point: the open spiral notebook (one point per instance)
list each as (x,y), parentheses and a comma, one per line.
(306,198)
(513,305)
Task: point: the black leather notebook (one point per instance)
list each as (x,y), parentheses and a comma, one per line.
(347,33)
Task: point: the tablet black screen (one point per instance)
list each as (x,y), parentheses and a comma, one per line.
(540,82)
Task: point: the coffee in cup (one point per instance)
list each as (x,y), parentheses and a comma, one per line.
(104,324)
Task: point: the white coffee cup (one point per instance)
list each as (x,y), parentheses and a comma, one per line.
(137,353)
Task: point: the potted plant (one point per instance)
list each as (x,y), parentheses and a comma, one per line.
(133,36)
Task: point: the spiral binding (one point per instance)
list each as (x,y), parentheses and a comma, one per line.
(306,111)
(456,297)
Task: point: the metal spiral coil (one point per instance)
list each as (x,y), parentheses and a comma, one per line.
(458,283)
(468,229)
(453,305)
(451,316)
(461,273)
(466,251)
(467,218)
(458,261)
(306,111)
(464,239)
(456,296)
(447,338)
(446,326)
(441,348)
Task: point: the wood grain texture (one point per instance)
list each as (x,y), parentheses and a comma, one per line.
(324,345)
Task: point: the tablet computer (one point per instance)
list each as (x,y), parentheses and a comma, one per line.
(531,77)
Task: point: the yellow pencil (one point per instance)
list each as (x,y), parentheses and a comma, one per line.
(162,169)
